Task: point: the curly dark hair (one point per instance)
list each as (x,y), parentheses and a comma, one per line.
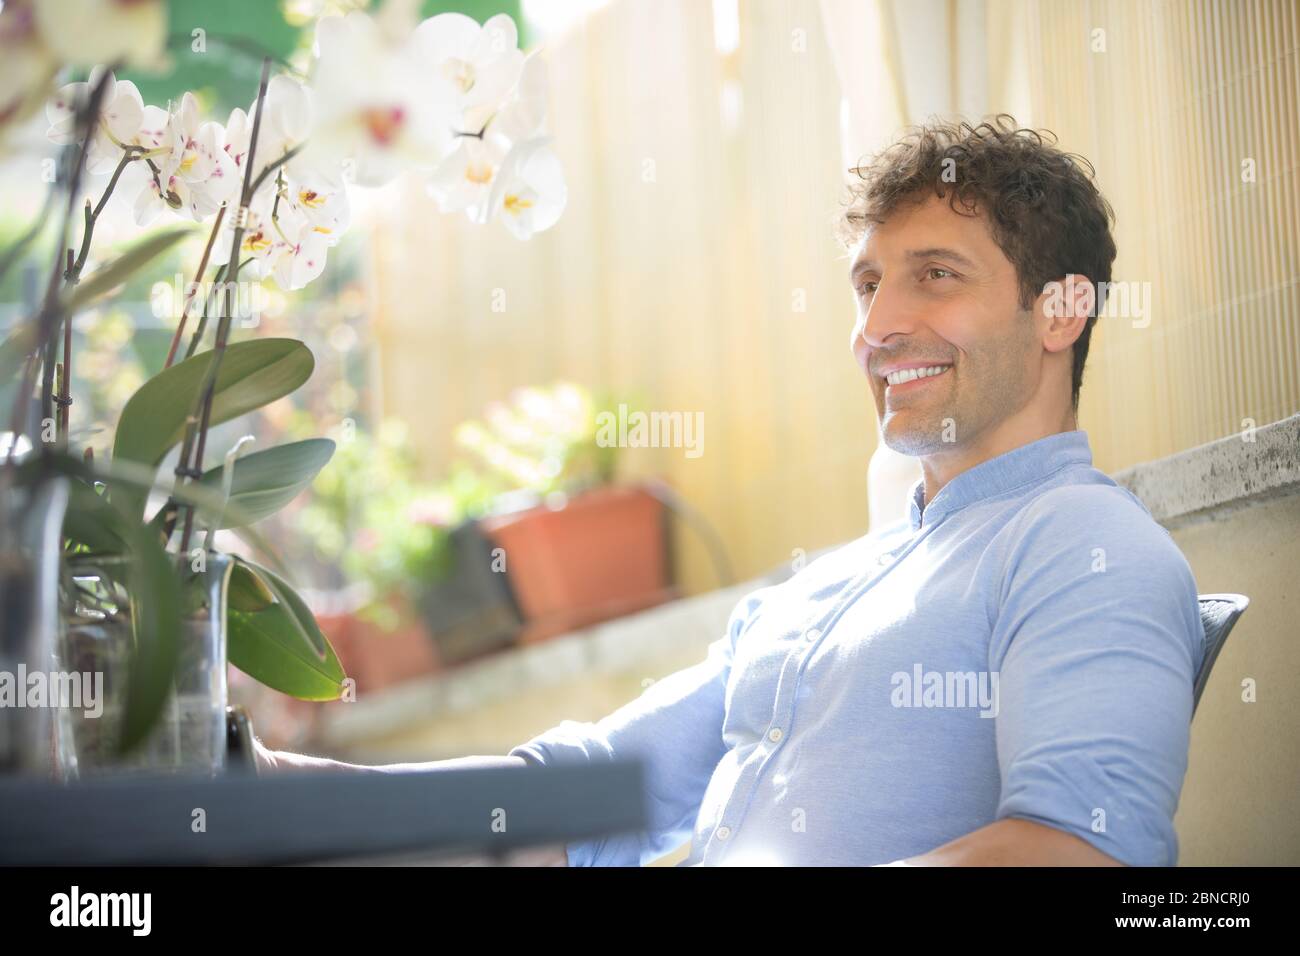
(1042,207)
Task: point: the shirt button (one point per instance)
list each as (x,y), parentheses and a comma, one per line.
(812,634)
(774,734)
(722,832)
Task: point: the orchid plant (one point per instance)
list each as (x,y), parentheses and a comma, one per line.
(454,100)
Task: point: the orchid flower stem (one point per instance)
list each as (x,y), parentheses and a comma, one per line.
(272,167)
(92,217)
(71,276)
(188,466)
(208,304)
(65,376)
(275,206)
(194,288)
(49,320)
(54,311)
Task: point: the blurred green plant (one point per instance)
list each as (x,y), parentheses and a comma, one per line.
(370,514)
(541,441)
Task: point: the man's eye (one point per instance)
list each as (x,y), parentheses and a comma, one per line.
(868,287)
(945,274)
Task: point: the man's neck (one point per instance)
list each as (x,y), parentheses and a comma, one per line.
(1009,434)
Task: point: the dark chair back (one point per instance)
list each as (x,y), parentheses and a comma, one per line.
(1219,612)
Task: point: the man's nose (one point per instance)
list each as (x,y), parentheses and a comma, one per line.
(886,314)
(889,312)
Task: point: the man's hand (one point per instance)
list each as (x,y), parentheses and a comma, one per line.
(538,856)
(264,759)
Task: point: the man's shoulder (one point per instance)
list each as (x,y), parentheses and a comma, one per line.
(1102,518)
(1088,502)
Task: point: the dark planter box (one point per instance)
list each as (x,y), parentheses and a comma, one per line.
(471,611)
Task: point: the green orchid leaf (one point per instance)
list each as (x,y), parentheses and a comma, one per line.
(14,351)
(257,541)
(92,521)
(265,481)
(268,644)
(247,591)
(156,624)
(302,616)
(252,374)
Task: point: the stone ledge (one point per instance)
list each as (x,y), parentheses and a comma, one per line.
(614,647)
(1215,479)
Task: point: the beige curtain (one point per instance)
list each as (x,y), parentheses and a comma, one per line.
(1189,111)
(695,269)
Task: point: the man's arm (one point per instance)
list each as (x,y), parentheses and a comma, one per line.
(674,730)
(1096,641)
(1095,647)
(1013,842)
(273,761)
(269,761)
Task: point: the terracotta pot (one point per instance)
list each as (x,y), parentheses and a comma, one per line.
(600,556)
(375,657)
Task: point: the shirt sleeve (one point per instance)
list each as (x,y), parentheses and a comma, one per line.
(675,729)
(1096,644)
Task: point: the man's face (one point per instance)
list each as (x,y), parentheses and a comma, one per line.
(934,291)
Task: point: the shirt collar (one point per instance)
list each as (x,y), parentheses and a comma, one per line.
(1027,464)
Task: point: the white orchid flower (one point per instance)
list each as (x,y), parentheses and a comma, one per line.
(196,175)
(529,192)
(89,32)
(463,180)
(211,180)
(522,116)
(466,176)
(121,117)
(321,203)
(320,214)
(302,260)
(289,230)
(301,209)
(371,108)
(259,240)
(285,127)
(474,67)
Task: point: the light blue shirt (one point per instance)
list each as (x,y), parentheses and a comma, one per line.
(1025,645)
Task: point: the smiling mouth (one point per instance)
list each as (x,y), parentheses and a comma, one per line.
(904,376)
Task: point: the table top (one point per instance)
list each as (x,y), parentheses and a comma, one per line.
(301,817)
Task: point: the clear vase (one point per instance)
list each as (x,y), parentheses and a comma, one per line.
(29,623)
(189,735)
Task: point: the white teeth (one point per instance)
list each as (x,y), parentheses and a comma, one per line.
(907,374)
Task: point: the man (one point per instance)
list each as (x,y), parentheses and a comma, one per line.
(1005,677)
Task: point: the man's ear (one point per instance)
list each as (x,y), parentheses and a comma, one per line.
(1063,309)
